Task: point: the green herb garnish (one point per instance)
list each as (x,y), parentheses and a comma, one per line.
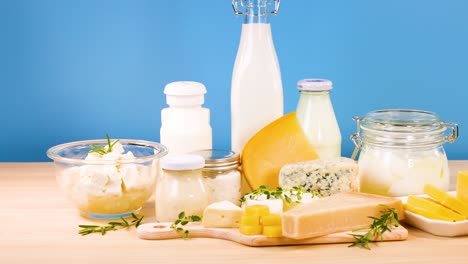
(101,150)
(278,193)
(182,221)
(112,226)
(379,226)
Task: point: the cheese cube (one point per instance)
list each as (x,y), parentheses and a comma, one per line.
(337,213)
(251,230)
(273,231)
(250,220)
(462,186)
(222,214)
(275,205)
(271,220)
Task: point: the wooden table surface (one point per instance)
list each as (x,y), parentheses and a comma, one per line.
(40,226)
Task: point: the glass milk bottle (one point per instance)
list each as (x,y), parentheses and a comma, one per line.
(256,89)
(185,124)
(317,118)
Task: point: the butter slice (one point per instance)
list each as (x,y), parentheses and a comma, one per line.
(337,213)
(222,214)
(446,199)
(462,186)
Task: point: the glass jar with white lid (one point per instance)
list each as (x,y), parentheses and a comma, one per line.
(402,150)
(181,187)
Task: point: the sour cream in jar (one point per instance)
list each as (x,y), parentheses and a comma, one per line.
(181,188)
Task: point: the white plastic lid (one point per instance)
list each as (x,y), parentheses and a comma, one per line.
(314,85)
(185,93)
(182,162)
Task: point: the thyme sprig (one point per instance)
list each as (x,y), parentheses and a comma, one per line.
(379,226)
(112,226)
(183,220)
(101,150)
(293,195)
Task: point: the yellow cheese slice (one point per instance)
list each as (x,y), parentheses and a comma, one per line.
(446,199)
(281,142)
(427,213)
(337,213)
(431,205)
(462,186)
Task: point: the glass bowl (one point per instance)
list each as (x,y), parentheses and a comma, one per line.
(107,185)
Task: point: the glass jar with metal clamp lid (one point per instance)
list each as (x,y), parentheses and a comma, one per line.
(401,151)
(221,174)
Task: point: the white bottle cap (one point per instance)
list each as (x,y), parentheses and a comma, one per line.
(314,85)
(182,162)
(185,93)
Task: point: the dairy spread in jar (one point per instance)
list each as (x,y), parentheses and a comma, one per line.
(402,150)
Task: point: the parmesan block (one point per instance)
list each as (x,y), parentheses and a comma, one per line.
(337,213)
(222,214)
(324,177)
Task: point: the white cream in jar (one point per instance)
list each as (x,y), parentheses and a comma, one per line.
(402,150)
(180,188)
(221,175)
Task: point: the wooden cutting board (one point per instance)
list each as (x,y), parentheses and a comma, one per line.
(160,231)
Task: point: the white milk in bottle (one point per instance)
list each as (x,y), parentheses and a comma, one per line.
(317,118)
(256,89)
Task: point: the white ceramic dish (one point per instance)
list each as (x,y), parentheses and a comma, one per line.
(436,227)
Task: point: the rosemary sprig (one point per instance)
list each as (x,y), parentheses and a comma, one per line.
(112,226)
(182,221)
(101,150)
(379,226)
(278,193)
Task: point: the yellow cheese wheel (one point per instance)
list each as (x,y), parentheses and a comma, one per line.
(281,142)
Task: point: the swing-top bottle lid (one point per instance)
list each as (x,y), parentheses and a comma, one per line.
(314,85)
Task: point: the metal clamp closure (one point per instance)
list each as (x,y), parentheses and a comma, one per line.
(243,3)
(454,134)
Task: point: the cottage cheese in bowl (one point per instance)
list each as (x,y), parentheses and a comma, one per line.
(108,184)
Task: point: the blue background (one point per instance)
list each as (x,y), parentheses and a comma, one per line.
(74,70)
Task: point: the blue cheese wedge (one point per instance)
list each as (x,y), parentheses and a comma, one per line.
(323,177)
(222,214)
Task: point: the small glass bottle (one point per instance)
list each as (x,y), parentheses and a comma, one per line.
(181,187)
(401,151)
(222,175)
(317,118)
